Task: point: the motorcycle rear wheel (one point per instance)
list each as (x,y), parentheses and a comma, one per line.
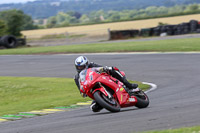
(110,104)
(142,100)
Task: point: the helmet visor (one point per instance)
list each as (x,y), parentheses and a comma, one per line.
(80,68)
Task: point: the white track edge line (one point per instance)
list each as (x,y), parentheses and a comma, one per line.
(153,87)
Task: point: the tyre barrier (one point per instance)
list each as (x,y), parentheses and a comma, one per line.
(193,26)
(123,34)
(10,41)
(146,32)
(184,28)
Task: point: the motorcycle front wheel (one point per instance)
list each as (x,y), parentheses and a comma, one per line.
(110,104)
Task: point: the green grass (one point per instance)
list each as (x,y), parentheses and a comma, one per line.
(195,129)
(21,94)
(174,45)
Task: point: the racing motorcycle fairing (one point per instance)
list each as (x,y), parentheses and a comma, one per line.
(91,80)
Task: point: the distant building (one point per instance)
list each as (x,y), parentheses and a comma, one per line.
(55,3)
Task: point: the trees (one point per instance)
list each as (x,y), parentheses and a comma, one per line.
(73,18)
(63,19)
(15,21)
(51,22)
(84,19)
(3,28)
(28,23)
(194,7)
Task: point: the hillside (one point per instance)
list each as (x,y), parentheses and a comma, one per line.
(47,8)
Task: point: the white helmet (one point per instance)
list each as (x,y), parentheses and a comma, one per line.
(81,63)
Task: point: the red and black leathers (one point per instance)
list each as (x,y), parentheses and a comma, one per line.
(114,72)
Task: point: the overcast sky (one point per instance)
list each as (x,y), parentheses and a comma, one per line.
(13,1)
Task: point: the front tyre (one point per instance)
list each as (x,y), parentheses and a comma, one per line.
(110,104)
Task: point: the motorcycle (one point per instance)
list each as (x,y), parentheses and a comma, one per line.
(109,92)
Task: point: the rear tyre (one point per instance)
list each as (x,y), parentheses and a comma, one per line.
(108,103)
(142,100)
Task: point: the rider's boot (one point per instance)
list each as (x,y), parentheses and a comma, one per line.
(132,87)
(95,107)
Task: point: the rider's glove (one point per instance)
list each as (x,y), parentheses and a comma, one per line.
(107,69)
(101,70)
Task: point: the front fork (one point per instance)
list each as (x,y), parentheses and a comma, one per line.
(103,90)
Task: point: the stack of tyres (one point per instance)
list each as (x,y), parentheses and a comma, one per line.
(180,29)
(8,41)
(194,25)
(175,29)
(185,27)
(163,29)
(169,29)
(157,31)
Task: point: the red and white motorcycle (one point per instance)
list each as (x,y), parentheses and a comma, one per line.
(109,92)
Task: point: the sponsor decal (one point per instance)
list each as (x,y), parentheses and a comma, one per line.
(121,89)
(90,73)
(85,83)
(82,88)
(132,100)
(91,77)
(117,90)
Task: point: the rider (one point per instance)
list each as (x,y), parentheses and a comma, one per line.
(82,62)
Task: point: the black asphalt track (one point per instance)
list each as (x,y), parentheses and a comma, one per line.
(175,103)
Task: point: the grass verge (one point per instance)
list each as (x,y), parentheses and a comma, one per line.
(21,94)
(195,129)
(174,45)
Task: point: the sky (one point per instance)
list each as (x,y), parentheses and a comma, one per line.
(13,1)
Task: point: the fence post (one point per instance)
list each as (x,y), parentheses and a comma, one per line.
(109,34)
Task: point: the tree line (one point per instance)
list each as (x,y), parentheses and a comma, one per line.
(63,19)
(14,21)
(47,8)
